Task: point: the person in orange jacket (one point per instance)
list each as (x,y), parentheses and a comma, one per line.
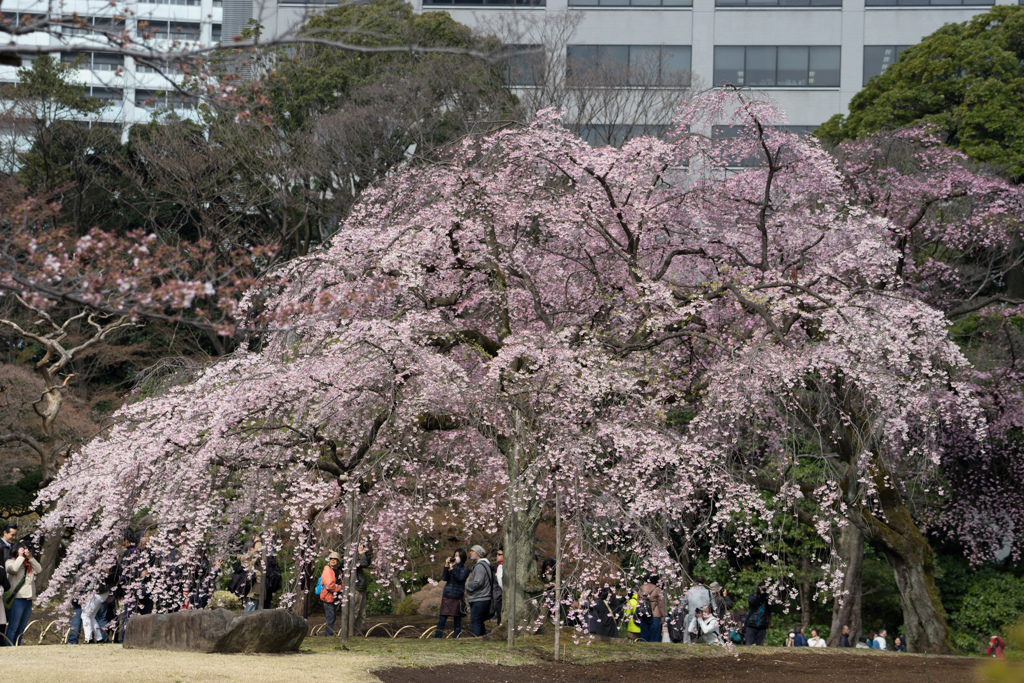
(330,595)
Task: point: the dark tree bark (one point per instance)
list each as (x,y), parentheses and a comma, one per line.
(846,610)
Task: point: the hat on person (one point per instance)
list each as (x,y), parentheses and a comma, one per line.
(479,550)
(715,586)
(334,556)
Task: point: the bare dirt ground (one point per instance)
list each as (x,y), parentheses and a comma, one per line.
(775,666)
(405,659)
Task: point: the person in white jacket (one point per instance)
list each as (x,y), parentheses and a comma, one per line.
(815,640)
(22,570)
(704,628)
(90,626)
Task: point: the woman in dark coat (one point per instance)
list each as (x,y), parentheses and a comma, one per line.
(601,617)
(455,574)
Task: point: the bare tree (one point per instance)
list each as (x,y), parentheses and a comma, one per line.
(609,93)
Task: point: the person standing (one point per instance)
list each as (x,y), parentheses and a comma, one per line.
(361,585)
(844,637)
(498,592)
(478,590)
(330,594)
(650,627)
(22,570)
(454,576)
(253,566)
(10,532)
(632,625)
(759,615)
(800,640)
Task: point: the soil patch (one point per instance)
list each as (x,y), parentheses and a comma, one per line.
(789,667)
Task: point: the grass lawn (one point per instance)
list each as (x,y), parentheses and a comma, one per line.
(328,660)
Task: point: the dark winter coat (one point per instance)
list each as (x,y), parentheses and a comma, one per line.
(362,561)
(455,581)
(600,620)
(760,610)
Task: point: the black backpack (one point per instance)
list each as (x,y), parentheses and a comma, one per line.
(274,581)
(643,607)
(496,593)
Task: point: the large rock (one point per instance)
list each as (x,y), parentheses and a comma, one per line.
(428,600)
(216,630)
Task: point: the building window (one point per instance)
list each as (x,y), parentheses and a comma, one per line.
(878,58)
(778,3)
(784,66)
(616,135)
(629,65)
(161,99)
(215,32)
(170,30)
(929,3)
(84,26)
(755,160)
(192,3)
(526,65)
(630,3)
(109,94)
(485,3)
(94,61)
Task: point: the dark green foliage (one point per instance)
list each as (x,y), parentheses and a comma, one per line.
(378,599)
(967,78)
(16,500)
(315,80)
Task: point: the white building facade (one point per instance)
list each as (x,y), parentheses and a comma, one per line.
(811,56)
(132,89)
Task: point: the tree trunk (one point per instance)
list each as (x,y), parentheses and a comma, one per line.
(806,586)
(846,609)
(48,561)
(520,565)
(924,618)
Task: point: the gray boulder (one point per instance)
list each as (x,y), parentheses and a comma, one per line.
(216,630)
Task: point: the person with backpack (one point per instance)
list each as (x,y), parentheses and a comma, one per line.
(759,615)
(478,590)
(651,609)
(329,589)
(454,576)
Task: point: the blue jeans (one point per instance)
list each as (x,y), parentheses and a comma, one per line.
(76,627)
(442,620)
(102,622)
(330,614)
(650,629)
(478,613)
(17,619)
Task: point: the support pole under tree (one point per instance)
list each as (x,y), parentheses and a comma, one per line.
(558,568)
(345,535)
(352,543)
(263,569)
(511,577)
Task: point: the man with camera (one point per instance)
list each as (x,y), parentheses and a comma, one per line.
(759,615)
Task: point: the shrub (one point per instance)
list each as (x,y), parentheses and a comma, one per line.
(407,607)
(378,599)
(225,600)
(992,605)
